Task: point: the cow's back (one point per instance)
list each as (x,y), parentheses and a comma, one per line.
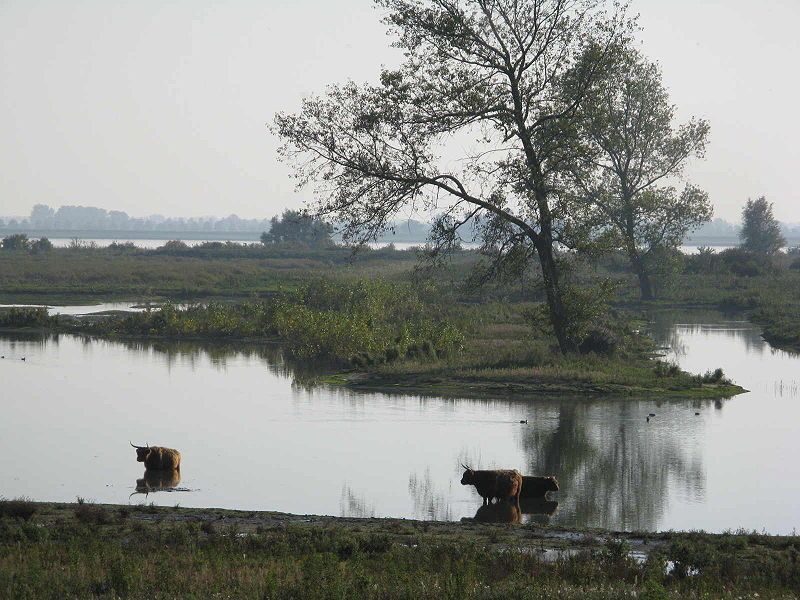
(509,483)
(163,459)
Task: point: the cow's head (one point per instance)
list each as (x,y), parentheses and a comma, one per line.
(142,452)
(469,476)
(551,484)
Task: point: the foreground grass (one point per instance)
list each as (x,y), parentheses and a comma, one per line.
(85,550)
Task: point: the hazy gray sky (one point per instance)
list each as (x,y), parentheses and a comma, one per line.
(159,107)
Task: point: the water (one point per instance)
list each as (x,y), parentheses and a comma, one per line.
(255,435)
(151,244)
(139,242)
(83,309)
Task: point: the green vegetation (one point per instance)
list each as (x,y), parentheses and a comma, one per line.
(761,232)
(401,337)
(17,317)
(179,272)
(360,322)
(85,550)
(294,227)
(628,119)
(17,508)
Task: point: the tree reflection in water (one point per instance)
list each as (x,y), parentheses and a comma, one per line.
(615,469)
(353,505)
(429,502)
(669,326)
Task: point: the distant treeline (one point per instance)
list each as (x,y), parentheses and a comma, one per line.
(90,221)
(723,232)
(74,220)
(90,218)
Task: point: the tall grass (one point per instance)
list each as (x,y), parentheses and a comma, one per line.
(151,556)
(368,321)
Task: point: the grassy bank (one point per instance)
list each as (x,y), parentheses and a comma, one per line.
(74,275)
(85,550)
(391,337)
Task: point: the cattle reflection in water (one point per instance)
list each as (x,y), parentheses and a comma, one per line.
(158,481)
(499,512)
(511,512)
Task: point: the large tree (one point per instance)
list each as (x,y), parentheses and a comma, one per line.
(636,152)
(478,74)
(761,232)
(295,227)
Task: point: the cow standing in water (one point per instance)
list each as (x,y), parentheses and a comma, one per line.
(537,487)
(499,484)
(158,458)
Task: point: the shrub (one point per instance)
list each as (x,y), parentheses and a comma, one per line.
(41,245)
(18,508)
(24,317)
(87,512)
(715,376)
(16,241)
(599,340)
(743,263)
(705,261)
(174,245)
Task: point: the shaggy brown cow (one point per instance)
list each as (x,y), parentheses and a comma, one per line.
(537,487)
(158,458)
(494,484)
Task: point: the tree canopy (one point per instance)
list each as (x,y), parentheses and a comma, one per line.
(634,154)
(761,232)
(294,227)
(483,72)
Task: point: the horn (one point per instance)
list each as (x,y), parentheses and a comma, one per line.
(134,445)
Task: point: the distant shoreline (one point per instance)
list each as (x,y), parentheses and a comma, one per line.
(254,236)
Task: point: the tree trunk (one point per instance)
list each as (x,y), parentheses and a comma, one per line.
(645,286)
(555,300)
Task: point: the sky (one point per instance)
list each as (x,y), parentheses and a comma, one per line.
(160,107)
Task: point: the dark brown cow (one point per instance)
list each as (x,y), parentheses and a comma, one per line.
(537,487)
(158,458)
(498,484)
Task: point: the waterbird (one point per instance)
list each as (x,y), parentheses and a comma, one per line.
(648,419)
(23,358)
(652,414)
(697,413)
(524,421)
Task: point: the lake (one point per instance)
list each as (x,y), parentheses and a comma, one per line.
(150,244)
(256,435)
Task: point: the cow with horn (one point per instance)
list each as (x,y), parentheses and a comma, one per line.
(499,484)
(158,458)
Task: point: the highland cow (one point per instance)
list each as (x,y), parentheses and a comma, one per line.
(537,487)
(499,484)
(157,458)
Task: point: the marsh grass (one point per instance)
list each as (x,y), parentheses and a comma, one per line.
(17,508)
(62,557)
(91,513)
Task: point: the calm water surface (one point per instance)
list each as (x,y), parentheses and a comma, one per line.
(255,436)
